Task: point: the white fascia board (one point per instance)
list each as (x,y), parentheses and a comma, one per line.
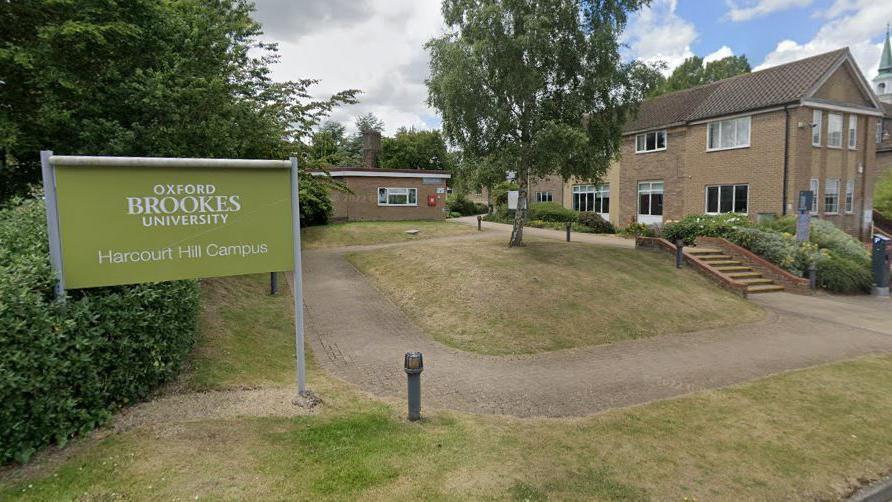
(813,103)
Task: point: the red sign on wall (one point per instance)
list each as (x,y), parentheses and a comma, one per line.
(432,200)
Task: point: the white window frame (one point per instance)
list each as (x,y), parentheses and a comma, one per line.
(650,191)
(727,123)
(850,197)
(656,135)
(600,192)
(545,196)
(387,193)
(853,132)
(817,122)
(834,119)
(831,193)
(814,185)
(733,188)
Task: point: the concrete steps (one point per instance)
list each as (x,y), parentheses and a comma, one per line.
(734,269)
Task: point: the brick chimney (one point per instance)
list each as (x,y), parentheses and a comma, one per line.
(371,148)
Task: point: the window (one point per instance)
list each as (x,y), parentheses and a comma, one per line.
(731,133)
(850,196)
(543,197)
(853,132)
(879,133)
(816,124)
(397,196)
(592,198)
(650,198)
(813,186)
(834,130)
(831,196)
(727,199)
(650,142)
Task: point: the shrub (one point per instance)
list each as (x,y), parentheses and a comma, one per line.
(65,367)
(458,203)
(551,211)
(480,208)
(841,275)
(691,227)
(828,236)
(634,230)
(781,249)
(596,223)
(455,214)
(500,192)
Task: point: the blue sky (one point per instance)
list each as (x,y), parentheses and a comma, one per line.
(378,45)
(769,32)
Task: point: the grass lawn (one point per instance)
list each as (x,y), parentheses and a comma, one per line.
(802,435)
(483,297)
(377,232)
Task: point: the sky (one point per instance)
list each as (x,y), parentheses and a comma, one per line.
(377,46)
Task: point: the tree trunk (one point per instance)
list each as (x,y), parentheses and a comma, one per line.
(520,214)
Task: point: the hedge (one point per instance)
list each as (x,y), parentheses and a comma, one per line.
(551,211)
(65,367)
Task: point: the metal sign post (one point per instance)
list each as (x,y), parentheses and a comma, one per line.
(803,220)
(52,220)
(298,282)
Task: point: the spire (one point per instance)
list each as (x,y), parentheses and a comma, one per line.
(886,58)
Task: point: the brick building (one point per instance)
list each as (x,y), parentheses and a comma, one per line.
(751,143)
(377,194)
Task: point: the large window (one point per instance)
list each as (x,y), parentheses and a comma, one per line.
(834,130)
(727,199)
(816,124)
(543,197)
(813,186)
(650,142)
(650,198)
(853,132)
(592,198)
(397,196)
(850,196)
(831,195)
(731,133)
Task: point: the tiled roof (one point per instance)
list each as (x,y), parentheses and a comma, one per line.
(773,86)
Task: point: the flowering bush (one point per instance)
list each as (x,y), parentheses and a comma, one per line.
(691,227)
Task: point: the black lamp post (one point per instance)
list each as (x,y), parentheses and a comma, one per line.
(414,365)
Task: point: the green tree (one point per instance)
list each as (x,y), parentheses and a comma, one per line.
(535,87)
(331,146)
(414,150)
(692,72)
(369,122)
(185,78)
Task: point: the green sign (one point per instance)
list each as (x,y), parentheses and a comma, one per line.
(135,223)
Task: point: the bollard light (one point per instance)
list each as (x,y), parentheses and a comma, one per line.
(568,231)
(679,252)
(413,363)
(479,223)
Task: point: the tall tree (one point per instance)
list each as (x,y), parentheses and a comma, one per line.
(536,87)
(183,78)
(692,72)
(414,149)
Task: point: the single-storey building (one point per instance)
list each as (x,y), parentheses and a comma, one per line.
(377,194)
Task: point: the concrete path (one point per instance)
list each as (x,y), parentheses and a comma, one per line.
(600,239)
(360,336)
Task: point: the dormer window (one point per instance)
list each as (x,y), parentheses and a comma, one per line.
(654,141)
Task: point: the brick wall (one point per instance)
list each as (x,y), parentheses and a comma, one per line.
(362,204)
(552,184)
(666,165)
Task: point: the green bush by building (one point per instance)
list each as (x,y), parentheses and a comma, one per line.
(66,366)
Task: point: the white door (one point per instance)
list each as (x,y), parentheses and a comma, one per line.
(650,202)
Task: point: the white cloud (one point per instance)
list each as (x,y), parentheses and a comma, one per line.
(855,25)
(722,52)
(657,33)
(373,45)
(751,9)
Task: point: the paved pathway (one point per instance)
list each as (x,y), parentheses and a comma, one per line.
(359,335)
(600,239)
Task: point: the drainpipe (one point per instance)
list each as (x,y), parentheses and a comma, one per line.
(786,158)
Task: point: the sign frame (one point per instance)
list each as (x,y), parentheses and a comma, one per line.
(49,162)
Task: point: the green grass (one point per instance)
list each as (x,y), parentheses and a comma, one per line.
(483,297)
(241,327)
(377,232)
(803,435)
